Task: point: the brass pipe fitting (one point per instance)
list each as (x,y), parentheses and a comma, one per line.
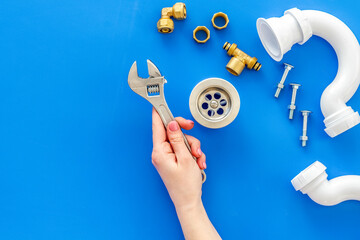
(224,16)
(239,60)
(201,28)
(166,24)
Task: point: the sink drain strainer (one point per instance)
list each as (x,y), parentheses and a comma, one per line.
(214,103)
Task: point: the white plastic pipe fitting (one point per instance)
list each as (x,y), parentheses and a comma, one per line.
(278,35)
(313,182)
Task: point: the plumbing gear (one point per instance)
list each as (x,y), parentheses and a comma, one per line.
(201,28)
(214,103)
(152,89)
(166,24)
(278,35)
(280,85)
(222,15)
(292,106)
(313,182)
(239,59)
(304,138)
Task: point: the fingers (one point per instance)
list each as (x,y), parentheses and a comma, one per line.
(201,161)
(159,133)
(176,139)
(184,123)
(196,151)
(194,145)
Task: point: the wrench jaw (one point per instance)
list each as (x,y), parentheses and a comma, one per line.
(136,83)
(152,69)
(152,88)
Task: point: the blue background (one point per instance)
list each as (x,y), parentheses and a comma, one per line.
(75,141)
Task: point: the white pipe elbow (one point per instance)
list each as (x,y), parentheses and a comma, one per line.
(278,35)
(313,182)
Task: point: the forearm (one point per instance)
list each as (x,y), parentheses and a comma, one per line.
(196,224)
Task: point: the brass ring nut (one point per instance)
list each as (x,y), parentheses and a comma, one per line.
(201,28)
(224,16)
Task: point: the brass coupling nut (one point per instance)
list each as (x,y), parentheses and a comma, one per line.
(239,60)
(201,28)
(165,23)
(222,15)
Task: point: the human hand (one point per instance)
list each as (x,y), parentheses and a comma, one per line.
(175,164)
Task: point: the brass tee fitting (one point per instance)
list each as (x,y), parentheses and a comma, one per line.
(237,63)
(166,24)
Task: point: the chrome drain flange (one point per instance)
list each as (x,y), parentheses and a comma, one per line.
(214,103)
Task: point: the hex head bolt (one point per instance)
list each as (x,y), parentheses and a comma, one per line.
(304,138)
(292,106)
(280,85)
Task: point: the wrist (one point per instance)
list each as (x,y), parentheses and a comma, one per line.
(195,223)
(196,206)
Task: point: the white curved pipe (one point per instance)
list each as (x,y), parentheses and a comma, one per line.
(313,182)
(278,35)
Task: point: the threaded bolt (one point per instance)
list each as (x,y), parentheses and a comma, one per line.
(292,106)
(257,66)
(304,137)
(226,46)
(288,67)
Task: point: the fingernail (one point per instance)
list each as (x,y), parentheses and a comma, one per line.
(199,152)
(204,165)
(191,122)
(173,126)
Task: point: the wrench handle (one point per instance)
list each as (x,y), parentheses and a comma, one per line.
(203,175)
(166,117)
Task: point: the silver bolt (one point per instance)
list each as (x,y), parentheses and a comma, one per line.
(292,106)
(280,85)
(304,138)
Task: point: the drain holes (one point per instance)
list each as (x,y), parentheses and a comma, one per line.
(223,102)
(220,111)
(208,97)
(217,95)
(211,113)
(205,105)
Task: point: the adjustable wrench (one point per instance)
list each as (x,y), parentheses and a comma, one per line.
(152,89)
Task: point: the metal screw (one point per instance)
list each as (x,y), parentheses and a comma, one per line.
(280,85)
(292,106)
(304,138)
(214,104)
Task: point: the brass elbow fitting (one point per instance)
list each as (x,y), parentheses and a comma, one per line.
(239,59)
(166,24)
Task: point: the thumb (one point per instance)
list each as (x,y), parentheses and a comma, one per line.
(176,139)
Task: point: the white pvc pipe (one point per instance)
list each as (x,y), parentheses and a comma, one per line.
(278,35)
(313,182)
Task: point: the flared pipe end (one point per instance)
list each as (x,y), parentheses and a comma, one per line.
(278,35)
(341,121)
(308,176)
(269,39)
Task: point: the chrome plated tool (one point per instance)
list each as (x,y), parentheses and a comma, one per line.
(152,89)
